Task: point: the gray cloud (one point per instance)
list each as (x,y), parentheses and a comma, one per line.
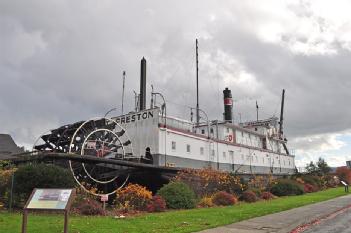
(62,61)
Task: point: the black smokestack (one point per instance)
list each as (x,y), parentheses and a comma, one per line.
(142,100)
(228,105)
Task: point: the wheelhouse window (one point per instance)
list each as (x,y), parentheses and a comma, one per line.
(202,131)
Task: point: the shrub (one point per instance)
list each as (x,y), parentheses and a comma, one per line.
(257,191)
(5,185)
(157,204)
(223,199)
(89,206)
(258,184)
(134,196)
(249,196)
(309,188)
(332,181)
(313,180)
(32,176)
(285,187)
(178,195)
(344,173)
(267,196)
(205,202)
(206,182)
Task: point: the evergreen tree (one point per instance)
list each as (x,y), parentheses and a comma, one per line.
(323,167)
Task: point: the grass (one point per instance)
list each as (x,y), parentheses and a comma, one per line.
(172,221)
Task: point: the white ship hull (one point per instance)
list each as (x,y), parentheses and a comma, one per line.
(221,146)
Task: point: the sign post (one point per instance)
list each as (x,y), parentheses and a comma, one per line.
(104,199)
(48,200)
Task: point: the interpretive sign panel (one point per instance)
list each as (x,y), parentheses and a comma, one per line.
(53,199)
(48,199)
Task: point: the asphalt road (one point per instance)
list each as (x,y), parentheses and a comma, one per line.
(340,224)
(286,221)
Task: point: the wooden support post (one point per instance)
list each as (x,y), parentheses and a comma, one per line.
(24,221)
(65,228)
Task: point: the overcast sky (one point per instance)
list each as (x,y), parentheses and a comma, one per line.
(62,61)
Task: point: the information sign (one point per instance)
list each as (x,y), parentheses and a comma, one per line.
(49,199)
(104,198)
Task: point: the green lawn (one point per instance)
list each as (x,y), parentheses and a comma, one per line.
(172,221)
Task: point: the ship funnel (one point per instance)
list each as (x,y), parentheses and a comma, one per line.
(142,98)
(228,105)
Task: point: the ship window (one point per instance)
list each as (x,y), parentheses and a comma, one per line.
(227,130)
(213,153)
(224,155)
(231,153)
(202,150)
(242,134)
(174,145)
(203,131)
(211,130)
(188,148)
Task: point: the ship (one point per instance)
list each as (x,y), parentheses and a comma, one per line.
(148,146)
(254,147)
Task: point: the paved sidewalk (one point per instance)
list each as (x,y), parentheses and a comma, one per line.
(284,221)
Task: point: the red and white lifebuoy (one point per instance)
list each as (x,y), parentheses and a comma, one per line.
(230,137)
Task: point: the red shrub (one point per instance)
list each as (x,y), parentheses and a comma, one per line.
(224,198)
(344,174)
(309,188)
(157,204)
(249,196)
(88,206)
(267,196)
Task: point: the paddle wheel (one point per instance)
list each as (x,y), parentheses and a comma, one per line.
(99,137)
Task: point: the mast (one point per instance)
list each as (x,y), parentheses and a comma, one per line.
(281,116)
(197,85)
(256,110)
(124,79)
(281,124)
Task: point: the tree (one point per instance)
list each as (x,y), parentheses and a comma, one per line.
(311,168)
(344,174)
(323,167)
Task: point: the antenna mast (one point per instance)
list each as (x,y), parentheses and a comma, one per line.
(197,85)
(124,79)
(256,110)
(281,116)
